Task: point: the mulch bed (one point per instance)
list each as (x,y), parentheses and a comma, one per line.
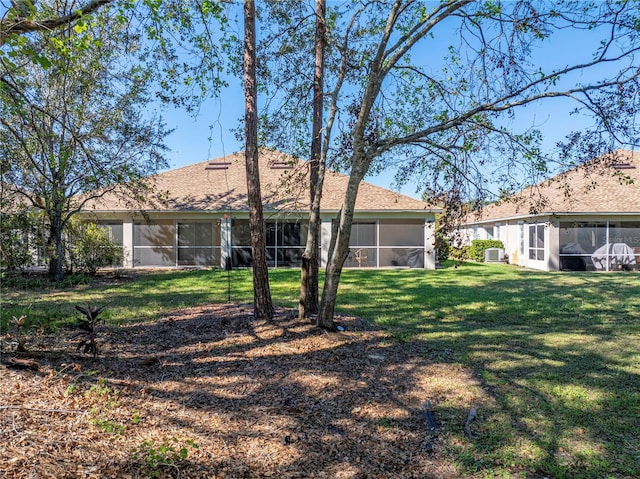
(212,392)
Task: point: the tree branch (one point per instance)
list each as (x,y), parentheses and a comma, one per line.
(21,25)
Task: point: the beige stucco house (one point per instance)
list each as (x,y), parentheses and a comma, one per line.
(587,218)
(204,219)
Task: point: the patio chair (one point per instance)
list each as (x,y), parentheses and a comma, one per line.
(361,258)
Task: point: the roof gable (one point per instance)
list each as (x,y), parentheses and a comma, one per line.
(220,185)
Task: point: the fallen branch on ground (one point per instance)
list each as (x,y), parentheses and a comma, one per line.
(59,411)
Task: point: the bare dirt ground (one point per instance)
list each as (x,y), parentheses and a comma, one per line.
(211,392)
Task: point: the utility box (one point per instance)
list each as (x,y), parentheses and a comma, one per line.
(494,255)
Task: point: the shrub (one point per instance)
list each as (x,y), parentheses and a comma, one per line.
(460,253)
(91,249)
(478,247)
(443,248)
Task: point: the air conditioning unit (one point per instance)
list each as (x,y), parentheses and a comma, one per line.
(493,255)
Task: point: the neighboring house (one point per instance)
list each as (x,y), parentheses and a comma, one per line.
(586,219)
(205,218)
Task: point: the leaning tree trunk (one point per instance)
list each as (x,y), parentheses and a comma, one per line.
(310,270)
(338,255)
(263,308)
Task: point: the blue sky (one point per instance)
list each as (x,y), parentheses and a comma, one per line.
(209,135)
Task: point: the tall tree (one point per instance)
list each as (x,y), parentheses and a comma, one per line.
(79,124)
(431,88)
(309,275)
(263,308)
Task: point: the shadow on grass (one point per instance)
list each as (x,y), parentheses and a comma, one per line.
(557,353)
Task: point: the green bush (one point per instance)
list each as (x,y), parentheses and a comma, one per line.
(443,247)
(91,248)
(460,253)
(478,247)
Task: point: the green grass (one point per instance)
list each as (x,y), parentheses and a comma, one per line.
(557,353)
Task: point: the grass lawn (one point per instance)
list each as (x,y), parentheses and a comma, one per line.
(555,356)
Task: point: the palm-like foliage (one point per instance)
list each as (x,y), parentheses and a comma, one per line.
(89,329)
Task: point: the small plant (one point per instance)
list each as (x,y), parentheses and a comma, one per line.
(71,390)
(110,427)
(135,419)
(157,459)
(89,329)
(18,324)
(385,422)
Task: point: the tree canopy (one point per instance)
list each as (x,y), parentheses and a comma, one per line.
(77,125)
(430,87)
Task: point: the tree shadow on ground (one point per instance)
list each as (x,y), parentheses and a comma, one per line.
(262,399)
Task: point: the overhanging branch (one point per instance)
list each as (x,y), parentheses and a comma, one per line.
(19,25)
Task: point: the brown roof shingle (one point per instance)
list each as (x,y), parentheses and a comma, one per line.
(220,185)
(608,184)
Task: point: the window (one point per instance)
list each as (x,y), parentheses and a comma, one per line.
(241,243)
(286,241)
(536,242)
(362,234)
(599,245)
(114,229)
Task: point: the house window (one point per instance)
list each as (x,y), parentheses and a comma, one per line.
(241,243)
(362,245)
(599,245)
(114,230)
(286,241)
(536,242)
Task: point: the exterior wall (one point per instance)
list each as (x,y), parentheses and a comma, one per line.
(127,242)
(430,244)
(565,246)
(388,239)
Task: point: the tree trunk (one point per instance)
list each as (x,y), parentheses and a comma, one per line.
(338,254)
(310,270)
(55,250)
(263,308)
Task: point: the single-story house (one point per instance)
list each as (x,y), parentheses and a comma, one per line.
(205,219)
(586,219)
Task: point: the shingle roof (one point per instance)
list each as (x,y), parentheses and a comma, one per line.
(220,185)
(608,184)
